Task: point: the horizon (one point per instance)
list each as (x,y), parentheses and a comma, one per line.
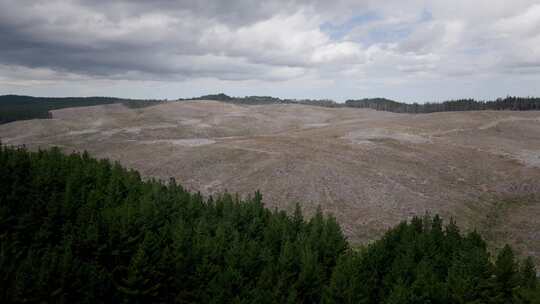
(188,98)
(419,51)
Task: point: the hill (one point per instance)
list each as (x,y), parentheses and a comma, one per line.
(265,100)
(371,169)
(17,107)
(509,103)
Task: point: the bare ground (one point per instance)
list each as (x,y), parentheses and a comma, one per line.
(370,169)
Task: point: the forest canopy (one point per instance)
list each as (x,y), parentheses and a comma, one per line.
(74,229)
(16,107)
(508,103)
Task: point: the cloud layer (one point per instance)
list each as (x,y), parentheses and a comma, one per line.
(412,50)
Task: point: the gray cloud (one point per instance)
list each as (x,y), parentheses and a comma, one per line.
(159,38)
(240,41)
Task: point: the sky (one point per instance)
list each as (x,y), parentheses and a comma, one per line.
(412,51)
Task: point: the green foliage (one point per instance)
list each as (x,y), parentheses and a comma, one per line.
(261,100)
(78,230)
(384,104)
(424,262)
(508,103)
(506,278)
(528,274)
(15,107)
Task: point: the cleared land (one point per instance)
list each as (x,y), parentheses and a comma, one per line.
(370,169)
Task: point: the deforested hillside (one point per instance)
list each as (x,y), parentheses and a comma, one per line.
(371,169)
(74,229)
(16,107)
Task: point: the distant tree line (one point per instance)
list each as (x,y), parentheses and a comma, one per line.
(384,104)
(508,103)
(16,107)
(262,100)
(74,229)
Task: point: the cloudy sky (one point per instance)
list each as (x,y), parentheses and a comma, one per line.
(408,50)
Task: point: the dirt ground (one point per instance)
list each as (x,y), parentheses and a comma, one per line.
(370,169)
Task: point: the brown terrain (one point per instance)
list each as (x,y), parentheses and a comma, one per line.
(370,169)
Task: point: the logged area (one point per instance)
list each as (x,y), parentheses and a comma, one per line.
(370,169)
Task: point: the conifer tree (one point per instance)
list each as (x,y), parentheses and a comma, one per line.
(506,276)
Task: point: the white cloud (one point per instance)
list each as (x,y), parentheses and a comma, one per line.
(402,49)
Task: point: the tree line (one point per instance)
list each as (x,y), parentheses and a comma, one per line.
(74,229)
(16,107)
(263,100)
(383,104)
(508,103)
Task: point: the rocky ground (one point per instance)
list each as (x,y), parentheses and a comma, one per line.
(370,169)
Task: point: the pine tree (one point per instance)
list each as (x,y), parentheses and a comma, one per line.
(527,274)
(506,276)
(400,294)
